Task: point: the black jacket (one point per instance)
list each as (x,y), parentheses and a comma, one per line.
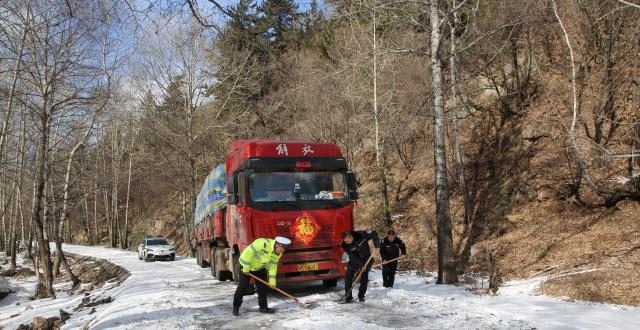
(358,250)
(391,250)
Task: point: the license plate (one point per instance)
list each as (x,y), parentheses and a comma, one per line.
(308,267)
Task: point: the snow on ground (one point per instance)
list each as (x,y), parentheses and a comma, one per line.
(179,294)
(22,289)
(18,308)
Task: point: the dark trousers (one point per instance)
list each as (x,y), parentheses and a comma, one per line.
(389,274)
(348,281)
(243,285)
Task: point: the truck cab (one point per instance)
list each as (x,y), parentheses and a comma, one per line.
(298,189)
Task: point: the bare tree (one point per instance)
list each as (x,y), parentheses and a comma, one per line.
(446,257)
(177,74)
(59,226)
(61,75)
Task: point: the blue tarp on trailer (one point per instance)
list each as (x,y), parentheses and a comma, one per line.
(213,195)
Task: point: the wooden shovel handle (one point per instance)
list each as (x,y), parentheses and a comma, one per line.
(362,270)
(273,287)
(388,261)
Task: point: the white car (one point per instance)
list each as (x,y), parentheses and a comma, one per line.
(156,248)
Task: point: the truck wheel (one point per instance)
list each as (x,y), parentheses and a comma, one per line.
(221,275)
(214,271)
(330,283)
(203,259)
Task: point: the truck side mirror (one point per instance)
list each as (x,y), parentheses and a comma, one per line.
(353,195)
(353,184)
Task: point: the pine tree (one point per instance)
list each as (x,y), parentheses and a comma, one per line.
(280,23)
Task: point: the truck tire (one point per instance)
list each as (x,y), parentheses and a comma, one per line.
(203,258)
(332,283)
(214,271)
(200,257)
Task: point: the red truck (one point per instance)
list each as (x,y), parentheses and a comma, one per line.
(298,189)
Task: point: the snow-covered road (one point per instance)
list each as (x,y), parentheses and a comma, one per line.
(179,294)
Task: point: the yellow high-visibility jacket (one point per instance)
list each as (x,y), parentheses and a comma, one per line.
(260,254)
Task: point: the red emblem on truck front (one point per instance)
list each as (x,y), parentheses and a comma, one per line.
(305,228)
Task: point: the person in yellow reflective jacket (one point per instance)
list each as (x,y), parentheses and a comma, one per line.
(261,259)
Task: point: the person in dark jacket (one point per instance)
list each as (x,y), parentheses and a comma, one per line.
(391,248)
(355,244)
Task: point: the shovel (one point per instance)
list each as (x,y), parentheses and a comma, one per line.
(357,278)
(305,304)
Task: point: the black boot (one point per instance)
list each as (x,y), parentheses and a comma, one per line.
(236,311)
(345,300)
(361,299)
(267,310)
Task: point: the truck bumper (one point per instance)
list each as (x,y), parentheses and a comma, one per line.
(297,272)
(304,278)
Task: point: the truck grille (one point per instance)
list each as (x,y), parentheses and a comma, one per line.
(323,239)
(320,249)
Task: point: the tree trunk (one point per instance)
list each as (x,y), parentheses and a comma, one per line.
(192,201)
(95,206)
(386,207)
(21,152)
(30,255)
(13,231)
(126,209)
(380,163)
(584,172)
(56,224)
(39,219)
(446,260)
(185,219)
(10,248)
(68,227)
(65,208)
(4,208)
(85,208)
(107,215)
(457,148)
(115,168)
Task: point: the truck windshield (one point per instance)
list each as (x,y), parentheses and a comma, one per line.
(297,186)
